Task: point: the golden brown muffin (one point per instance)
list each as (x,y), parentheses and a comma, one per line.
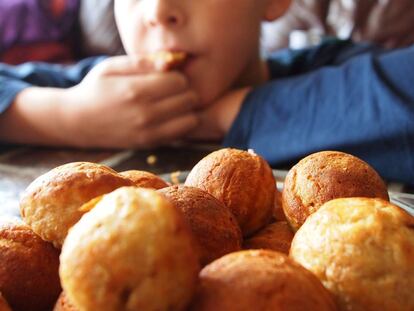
(276,236)
(144,179)
(132,251)
(4,306)
(259,280)
(327,175)
(242,180)
(63,304)
(50,205)
(362,249)
(213,225)
(29,277)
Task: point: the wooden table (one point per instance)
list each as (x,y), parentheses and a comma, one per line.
(19,166)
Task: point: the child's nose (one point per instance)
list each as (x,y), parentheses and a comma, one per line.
(164,12)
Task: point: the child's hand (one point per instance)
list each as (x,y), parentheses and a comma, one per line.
(129,102)
(217,118)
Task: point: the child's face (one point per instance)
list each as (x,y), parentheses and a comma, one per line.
(221,37)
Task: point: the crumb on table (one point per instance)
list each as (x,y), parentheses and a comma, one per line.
(152,159)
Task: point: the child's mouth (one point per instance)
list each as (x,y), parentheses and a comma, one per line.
(170,60)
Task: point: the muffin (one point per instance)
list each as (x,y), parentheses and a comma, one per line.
(4,306)
(278,213)
(29,278)
(132,251)
(242,180)
(63,304)
(324,176)
(276,236)
(362,249)
(144,179)
(213,225)
(259,280)
(50,205)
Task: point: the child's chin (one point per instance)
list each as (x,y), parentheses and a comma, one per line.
(208,99)
(210,92)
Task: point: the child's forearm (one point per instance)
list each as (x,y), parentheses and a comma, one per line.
(36,117)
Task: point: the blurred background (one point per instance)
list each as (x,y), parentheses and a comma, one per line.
(67,30)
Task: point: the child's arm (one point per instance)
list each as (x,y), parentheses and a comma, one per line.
(34,119)
(122,102)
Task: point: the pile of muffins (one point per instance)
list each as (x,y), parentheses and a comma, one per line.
(94,239)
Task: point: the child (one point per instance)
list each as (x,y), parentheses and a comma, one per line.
(360,104)
(124,101)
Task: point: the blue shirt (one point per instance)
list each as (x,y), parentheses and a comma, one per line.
(338,96)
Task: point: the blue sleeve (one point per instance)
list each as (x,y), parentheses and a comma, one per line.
(364,107)
(14,79)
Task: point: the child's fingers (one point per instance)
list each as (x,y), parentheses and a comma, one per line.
(156,86)
(173,107)
(127,65)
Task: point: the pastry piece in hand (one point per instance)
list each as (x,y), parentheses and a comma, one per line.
(51,204)
(144,179)
(324,176)
(166,60)
(362,249)
(242,180)
(29,278)
(63,304)
(132,251)
(276,236)
(214,226)
(259,280)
